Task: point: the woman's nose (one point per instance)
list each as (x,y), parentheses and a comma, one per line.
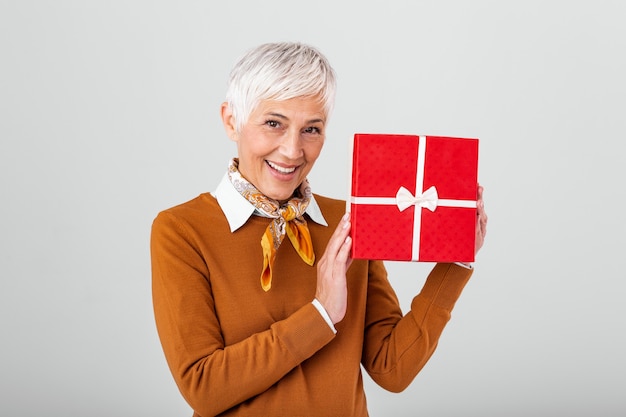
(291,145)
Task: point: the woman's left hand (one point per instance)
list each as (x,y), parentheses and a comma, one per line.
(481,220)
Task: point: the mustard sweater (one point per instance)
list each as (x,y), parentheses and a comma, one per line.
(235,350)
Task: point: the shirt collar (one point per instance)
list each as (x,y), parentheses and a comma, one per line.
(238,210)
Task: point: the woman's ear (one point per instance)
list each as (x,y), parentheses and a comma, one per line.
(229,121)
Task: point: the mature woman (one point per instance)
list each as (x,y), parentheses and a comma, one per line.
(252,323)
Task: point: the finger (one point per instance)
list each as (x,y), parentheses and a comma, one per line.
(480,204)
(339,236)
(481,208)
(343,256)
(479,192)
(483,224)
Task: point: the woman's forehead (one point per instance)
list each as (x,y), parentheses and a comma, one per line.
(307,106)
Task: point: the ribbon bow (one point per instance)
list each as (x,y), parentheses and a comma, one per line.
(404,199)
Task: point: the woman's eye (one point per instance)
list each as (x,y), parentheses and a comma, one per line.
(312,130)
(272,123)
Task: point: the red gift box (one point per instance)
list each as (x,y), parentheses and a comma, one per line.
(413,198)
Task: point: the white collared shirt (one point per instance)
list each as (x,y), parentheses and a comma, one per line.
(238,210)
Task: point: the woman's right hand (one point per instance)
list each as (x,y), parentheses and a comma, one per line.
(332,290)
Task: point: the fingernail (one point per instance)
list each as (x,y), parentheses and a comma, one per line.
(346,216)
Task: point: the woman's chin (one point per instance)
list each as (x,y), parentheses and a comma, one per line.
(282,197)
(281,189)
(280,193)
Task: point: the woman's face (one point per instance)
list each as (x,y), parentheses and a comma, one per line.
(279,144)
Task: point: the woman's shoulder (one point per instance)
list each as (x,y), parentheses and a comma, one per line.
(332,209)
(329,201)
(200,206)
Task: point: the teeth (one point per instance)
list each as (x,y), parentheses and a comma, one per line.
(281,169)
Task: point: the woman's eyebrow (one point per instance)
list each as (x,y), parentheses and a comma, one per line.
(282,116)
(278,115)
(322,121)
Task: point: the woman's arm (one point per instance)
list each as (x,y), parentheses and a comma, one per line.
(396,348)
(213,377)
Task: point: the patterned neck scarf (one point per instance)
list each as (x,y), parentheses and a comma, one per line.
(288,219)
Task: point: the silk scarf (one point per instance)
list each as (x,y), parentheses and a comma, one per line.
(287,220)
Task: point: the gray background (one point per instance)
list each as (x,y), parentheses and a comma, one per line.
(109,114)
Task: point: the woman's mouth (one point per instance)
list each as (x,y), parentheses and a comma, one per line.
(282,170)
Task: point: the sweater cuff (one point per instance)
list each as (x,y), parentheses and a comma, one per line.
(324,314)
(304,332)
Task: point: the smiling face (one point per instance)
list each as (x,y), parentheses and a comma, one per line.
(279,143)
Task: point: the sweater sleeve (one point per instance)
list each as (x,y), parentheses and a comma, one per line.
(213,377)
(396,348)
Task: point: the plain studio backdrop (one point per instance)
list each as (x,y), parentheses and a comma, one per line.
(109,113)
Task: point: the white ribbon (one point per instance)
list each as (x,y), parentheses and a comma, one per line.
(428,199)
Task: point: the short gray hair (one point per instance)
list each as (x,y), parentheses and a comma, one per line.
(279,71)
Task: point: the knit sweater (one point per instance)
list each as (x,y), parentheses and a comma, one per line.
(236,350)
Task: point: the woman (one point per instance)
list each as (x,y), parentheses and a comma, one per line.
(251,320)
